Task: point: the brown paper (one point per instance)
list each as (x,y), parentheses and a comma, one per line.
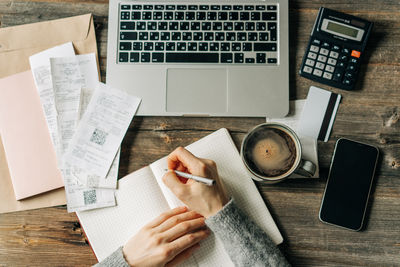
(17,44)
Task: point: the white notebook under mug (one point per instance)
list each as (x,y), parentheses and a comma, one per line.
(142,196)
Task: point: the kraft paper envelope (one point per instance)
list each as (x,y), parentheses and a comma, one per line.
(29,151)
(17,44)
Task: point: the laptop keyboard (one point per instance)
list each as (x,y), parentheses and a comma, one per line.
(189,33)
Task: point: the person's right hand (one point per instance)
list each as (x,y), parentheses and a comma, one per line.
(167,240)
(206,200)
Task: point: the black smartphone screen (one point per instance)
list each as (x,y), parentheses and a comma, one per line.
(349,183)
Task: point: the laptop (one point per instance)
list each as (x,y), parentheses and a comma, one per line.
(201,58)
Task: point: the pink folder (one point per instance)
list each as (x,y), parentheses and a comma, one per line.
(29,151)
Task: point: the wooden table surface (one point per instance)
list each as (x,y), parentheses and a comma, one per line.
(53,237)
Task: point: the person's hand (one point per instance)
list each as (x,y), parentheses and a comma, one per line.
(206,200)
(167,240)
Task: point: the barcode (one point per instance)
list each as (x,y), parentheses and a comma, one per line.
(90,197)
(99,137)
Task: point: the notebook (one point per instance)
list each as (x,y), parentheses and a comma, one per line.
(142,196)
(29,151)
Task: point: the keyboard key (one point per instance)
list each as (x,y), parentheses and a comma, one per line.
(203,46)
(211,15)
(125,15)
(255,16)
(329,68)
(335,48)
(228,26)
(214,46)
(175,36)
(168,15)
(137,7)
(271,7)
(145,57)
(241,36)
(260,58)
(306,69)
(181,7)
(192,46)
(320,65)
(152,26)
(170,7)
(231,36)
(157,15)
(261,26)
(244,16)
(173,26)
(334,54)
(184,26)
(134,57)
(125,46)
(239,26)
(325,45)
(214,7)
(260,7)
(179,15)
(239,57)
(247,47)
(147,7)
(198,36)
(347,81)
(143,36)
(190,15)
(170,47)
(159,7)
(314,48)
(272,60)
(159,46)
(136,15)
(181,46)
(148,46)
(226,7)
(165,36)
(346,51)
(236,46)
(141,26)
(327,75)
(250,60)
(193,7)
(252,36)
(263,36)
(128,36)
(233,15)
(127,25)
(137,46)
(264,47)
(187,36)
(209,36)
(206,26)
(217,26)
(312,55)
(125,7)
(237,7)
(195,26)
(123,57)
(162,26)
(269,16)
(192,57)
(201,15)
(225,47)
(310,62)
(226,57)
(324,51)
(250,26)
(146,15)
(322,58)
(337,76)
(220,36)
(204,7)
(222,15)
(248,7)
(317,72)
(332,61)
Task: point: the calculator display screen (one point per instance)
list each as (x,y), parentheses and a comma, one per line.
(339,28)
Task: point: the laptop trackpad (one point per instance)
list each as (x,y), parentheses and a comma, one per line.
(197,91)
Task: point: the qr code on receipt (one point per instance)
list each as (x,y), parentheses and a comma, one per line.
(89,197)
(98,137)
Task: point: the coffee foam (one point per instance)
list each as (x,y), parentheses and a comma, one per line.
(272,152)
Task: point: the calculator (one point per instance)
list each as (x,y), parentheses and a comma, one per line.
(335,49)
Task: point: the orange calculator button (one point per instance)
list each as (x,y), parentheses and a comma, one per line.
(355,53)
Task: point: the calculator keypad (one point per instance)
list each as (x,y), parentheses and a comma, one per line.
(332,62)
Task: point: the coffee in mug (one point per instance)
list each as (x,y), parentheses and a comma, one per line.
(272,151)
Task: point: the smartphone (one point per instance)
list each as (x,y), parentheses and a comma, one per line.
(349,184)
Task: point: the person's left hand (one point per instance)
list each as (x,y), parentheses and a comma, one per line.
(167,240)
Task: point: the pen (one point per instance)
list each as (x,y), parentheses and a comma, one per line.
(207,181)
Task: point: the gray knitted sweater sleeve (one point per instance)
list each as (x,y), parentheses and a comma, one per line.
(244,241)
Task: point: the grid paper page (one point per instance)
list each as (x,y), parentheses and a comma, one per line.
(219,147)
(139,200)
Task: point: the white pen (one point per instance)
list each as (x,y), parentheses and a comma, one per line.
(207,181)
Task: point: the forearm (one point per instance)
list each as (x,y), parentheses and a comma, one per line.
(115,259)
(245,242)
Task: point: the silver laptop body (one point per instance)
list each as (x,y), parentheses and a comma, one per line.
(162,51)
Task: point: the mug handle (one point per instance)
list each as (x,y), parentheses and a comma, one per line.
(306,168)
